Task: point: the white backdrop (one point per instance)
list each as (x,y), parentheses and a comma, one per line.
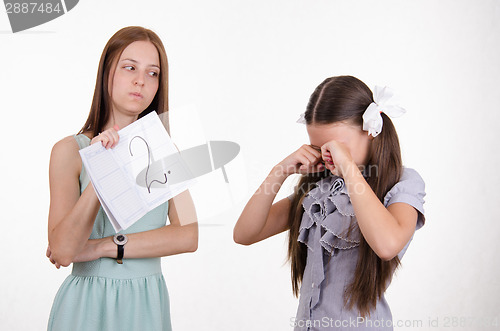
(246,69)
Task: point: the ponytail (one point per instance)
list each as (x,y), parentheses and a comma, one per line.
(373,275)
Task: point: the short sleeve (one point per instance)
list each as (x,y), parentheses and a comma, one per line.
(291,196)
(411,190)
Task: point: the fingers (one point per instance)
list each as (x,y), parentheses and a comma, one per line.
(309,154)
(303,169)
(332,167)
(304,160)
(313,151)
(328,158)
(57,265)
(326,154)
(49,255)
(309,160)
(108,138)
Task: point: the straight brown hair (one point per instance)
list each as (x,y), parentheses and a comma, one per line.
(345,98)
(101,103)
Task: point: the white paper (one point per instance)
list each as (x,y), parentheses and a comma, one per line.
(114,172)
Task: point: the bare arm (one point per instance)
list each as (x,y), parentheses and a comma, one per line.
(260,218)
(71,216)
(180,236)
(386,230)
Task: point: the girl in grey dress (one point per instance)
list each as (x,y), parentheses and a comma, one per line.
(352,214)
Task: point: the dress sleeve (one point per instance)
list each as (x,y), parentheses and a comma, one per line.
(411,190)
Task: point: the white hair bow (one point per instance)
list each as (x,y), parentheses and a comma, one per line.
(372,120)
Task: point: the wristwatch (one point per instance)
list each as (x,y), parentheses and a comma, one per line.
(120,241)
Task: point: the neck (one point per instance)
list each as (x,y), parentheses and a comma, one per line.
(120,119)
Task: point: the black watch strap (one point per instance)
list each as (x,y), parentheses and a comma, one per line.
(119,256)
(120,241)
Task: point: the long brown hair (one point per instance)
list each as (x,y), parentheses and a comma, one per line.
(101,103)
(345,98)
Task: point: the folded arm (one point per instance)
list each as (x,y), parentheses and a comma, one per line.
(71,216)
(180,236)
(386,230)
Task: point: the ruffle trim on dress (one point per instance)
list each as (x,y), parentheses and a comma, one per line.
(341,232)
(328,206)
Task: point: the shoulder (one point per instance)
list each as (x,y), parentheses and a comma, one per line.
(410,174)
(65,155)
(410,189)
(65,147)
(410,181)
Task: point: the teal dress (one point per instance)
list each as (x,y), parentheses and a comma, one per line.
(105,295)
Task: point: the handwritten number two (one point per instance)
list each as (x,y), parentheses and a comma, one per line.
(149,164)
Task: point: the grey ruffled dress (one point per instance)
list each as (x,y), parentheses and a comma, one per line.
(332,253)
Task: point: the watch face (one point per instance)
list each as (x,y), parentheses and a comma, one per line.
(120,239)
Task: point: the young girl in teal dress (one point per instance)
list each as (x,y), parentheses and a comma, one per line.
(353,212)
(115,284)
